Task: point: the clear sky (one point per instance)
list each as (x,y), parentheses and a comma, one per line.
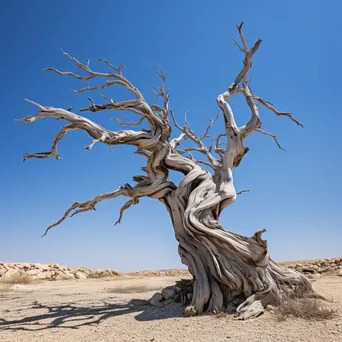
(295,195)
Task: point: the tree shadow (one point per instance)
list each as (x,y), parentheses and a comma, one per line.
(74,316)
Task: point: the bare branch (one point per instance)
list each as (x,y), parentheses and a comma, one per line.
(270,135)
(162,91)
(129,124)
(121,80)
(53,151)
(104,86)
(247,64)
(205,163)
(118,69)
(275,111)
(176,141)
(254,122)
(97,132)
(80,207)
(123,208)
(238,45)
(190,134)
(242,191)
(269,106)
(211,122)
(243,40)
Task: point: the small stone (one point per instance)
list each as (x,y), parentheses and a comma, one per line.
(190,311)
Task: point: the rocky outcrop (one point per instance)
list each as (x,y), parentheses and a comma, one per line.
(330,266)
(50,271)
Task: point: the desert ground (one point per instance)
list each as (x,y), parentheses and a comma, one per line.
(113,309)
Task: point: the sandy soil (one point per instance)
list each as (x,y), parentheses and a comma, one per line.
(100,310)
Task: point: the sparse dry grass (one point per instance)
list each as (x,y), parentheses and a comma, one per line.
(21,279)
(307,308)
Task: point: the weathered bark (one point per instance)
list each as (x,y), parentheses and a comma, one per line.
(228,269)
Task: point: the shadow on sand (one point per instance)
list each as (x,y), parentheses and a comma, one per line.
(74,316)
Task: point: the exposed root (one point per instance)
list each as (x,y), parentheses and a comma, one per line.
(275,295)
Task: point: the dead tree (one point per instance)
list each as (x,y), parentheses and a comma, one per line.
(226,266)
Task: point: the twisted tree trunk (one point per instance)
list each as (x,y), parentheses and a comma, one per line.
(229,270)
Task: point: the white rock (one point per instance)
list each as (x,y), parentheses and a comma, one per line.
(80,275)
(10,273)
(2,271)
(33,272)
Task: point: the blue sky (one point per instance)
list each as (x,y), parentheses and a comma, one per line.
(295,195)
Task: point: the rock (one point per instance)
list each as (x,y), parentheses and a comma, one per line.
(106,273)
(339,273)
(167,302)
(115,272)
(168,292)
(5,266)
(10,273)
(33,272)
(2,271)
(190,311)
(156,299)
(66,274)
(178,289)
(43,275)
(42,267)
(80,275)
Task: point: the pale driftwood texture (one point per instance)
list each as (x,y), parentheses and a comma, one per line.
(228,269)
